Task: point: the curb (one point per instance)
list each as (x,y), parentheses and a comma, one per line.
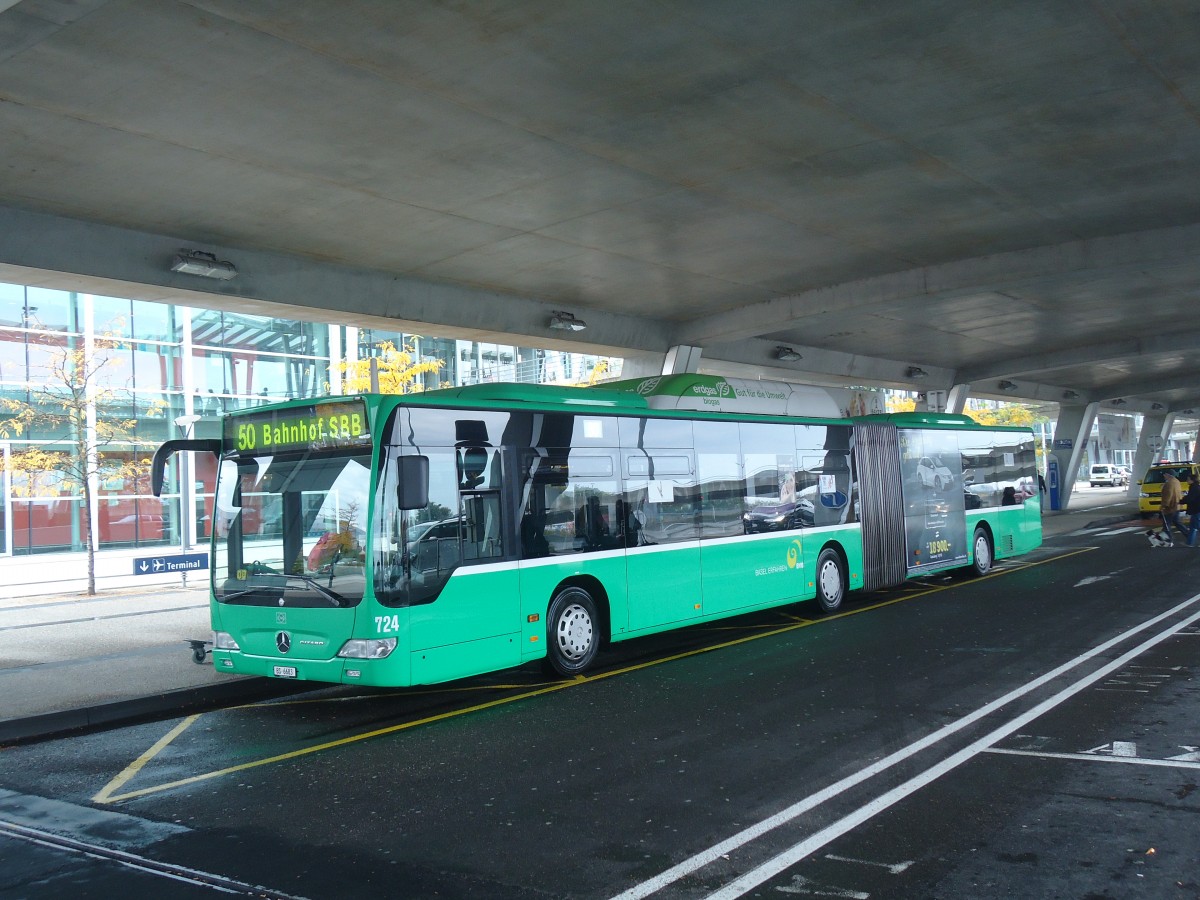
(168,704)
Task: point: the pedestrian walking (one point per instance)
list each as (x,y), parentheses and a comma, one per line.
(1172,494)
(1192,504)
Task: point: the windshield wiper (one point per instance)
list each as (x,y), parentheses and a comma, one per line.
(332,596)
(225,598)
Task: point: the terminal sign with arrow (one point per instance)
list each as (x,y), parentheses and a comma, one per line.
(166,565)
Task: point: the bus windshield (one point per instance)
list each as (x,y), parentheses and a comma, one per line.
(290,529)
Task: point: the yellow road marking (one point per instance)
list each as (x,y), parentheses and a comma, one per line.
(105,796)
(464,689)
(108,795)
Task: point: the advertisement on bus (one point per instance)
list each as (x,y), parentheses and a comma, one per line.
(931,470)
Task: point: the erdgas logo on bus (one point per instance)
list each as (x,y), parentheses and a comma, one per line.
(793,554)
(648,385)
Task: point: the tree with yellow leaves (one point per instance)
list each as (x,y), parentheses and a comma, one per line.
(397,370)
(73,401)
(598,374)
(1013,414)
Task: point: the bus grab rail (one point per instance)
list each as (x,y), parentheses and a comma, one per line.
(169,448)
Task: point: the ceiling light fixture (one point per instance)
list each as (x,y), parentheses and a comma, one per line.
(1007,385)
(564,321)
(787,354)
(916,372)
(1188,412)
(206,265)
(1118,401)
(1156,406)
(1070,394)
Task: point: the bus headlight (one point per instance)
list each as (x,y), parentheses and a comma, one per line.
(374,648)
(223,640)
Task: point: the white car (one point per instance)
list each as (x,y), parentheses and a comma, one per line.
(1103,474)
(931,473)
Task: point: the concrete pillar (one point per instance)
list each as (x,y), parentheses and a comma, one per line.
(956,400)
(641,365)
(681,358)
(1151,440)
(932,401)
(1070,440)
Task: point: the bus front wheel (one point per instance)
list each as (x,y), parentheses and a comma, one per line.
(982,563)
(572,631)
(831,581)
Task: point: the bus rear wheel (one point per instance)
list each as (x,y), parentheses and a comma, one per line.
(831,581)
(982,563)
(572,632)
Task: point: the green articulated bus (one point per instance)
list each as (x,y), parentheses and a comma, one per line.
(414,539)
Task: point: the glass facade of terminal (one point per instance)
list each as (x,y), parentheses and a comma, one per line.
(164,371)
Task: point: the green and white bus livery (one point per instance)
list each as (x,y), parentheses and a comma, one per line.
(415,539)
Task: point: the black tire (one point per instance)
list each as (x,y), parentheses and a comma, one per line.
(831,581)
(981,544)
(572,632)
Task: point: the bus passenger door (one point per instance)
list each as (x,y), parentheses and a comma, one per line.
(482,540)
(468,617)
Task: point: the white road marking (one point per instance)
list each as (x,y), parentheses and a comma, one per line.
(1193,755)
(1187,761)
(747,835)
(1114,748)
(802,886)
(892,868)
(790,857)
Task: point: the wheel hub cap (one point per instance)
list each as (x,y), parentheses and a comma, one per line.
(574,632)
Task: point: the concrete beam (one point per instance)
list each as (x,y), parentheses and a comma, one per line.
(1151,386)
(1023,266)
(1075,356)
(831,368)
(68,254)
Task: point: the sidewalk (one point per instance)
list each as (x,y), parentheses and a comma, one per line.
(71,662)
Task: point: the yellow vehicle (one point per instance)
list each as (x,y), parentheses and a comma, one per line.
(1150,496)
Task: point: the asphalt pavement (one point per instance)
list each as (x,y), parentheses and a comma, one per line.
(73,662)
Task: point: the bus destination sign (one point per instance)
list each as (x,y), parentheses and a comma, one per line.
(321,426)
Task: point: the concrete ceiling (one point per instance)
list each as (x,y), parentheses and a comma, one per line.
(988,191)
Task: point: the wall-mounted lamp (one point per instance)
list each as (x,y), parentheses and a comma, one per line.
(916,372)
(787,354)
(564,321)
(1118,401)
(1156,406)
(206,265)
(1007,385)
(1070,394)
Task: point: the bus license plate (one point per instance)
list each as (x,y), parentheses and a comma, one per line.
(285,671)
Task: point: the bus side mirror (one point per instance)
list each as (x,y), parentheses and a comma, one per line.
(412,482)
(158,467)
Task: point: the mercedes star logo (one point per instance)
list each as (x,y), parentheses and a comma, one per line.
(283,641)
